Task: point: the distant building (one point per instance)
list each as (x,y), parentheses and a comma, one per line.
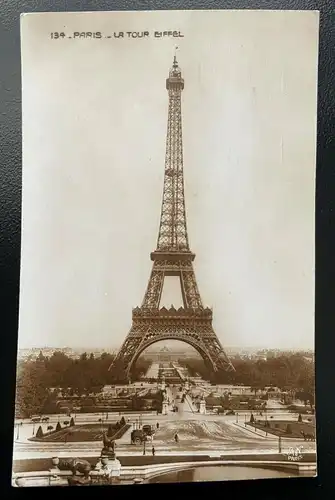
(164,355)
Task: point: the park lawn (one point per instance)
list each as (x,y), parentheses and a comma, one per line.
(80,433)
(278,427)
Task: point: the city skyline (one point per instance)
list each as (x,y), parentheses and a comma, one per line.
(91,204)
(184,346)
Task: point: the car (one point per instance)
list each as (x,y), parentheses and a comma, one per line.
(138,436)
(148,430)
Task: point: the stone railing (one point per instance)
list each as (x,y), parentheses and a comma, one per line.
(115,474)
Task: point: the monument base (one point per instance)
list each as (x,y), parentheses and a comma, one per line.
(109,468)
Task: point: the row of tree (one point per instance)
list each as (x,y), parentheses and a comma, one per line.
(88,374)
(286,372)
(84,375)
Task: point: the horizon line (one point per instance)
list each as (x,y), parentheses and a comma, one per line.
(291,348)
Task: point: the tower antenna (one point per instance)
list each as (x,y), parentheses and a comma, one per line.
(175,56)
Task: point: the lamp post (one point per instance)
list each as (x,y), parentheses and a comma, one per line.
(266,423)
(245,420)
(17,431)
(279,444)
(144,441)
(33,428)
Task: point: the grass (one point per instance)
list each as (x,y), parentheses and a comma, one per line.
(43,464)
(85,432)
(278,427)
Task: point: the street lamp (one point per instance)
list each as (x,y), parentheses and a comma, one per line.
(266,423)
(17,431)
(144,441)
(33,428)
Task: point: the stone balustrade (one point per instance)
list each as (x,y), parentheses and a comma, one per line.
(141,474)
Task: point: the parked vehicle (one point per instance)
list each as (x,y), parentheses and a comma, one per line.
(149,430)
(137,436)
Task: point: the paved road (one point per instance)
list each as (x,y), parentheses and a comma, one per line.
(94,448)
(239,439)
(23,432)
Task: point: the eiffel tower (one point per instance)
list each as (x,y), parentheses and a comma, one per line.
(191,323)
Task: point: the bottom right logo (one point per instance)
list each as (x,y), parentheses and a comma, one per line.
(294,454)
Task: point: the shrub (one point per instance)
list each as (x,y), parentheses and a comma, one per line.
(39,433)
(71,422)
(288,429)
(300,418)
(252,418)
(110,431)
(58,427)
(122,421)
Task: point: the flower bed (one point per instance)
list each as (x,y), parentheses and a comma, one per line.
(280,427)
(82,433)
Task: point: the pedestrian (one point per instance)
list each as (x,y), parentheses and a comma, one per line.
(157,425)
(176,438)
(153,451)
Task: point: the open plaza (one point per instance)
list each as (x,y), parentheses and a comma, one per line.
(184,429)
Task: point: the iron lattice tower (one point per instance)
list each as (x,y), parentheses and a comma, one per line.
(191,323)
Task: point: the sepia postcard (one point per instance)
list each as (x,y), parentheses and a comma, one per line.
(166,324)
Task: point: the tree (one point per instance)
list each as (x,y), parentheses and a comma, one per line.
(288,429)
(31,392)
(58,427)
(39,433)
(300,418)
(71,422)
(252,418)
(122,422)
(50,403)
(110,431)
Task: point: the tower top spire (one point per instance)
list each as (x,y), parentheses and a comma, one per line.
(175,79)
(175,62)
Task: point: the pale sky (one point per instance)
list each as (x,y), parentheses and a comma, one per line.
(94,126)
